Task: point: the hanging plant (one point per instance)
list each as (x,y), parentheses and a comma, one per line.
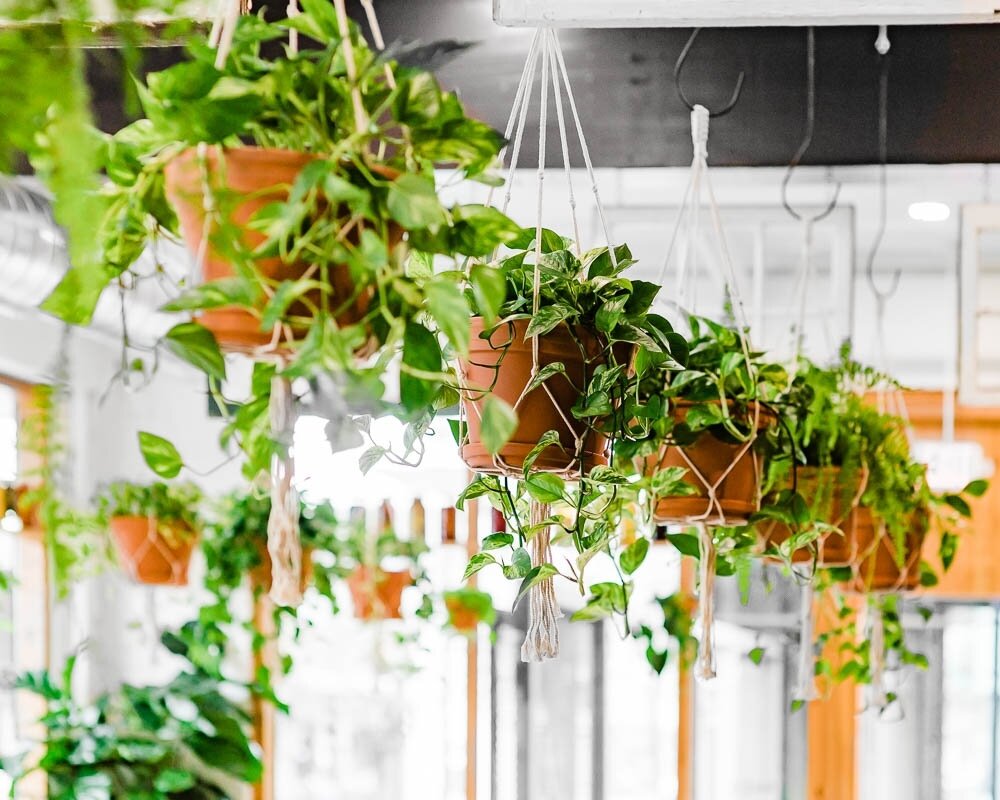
(154,528)
(701,428)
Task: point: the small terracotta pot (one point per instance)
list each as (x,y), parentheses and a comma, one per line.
(260,176)
(876,568)
(147,556)
(824,493)
(461,617)
(504,362)
(378,596)
(260,575)
(737,493)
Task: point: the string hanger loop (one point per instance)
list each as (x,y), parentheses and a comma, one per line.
(679,67)
(807,139)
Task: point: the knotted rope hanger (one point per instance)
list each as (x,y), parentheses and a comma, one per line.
(545,58)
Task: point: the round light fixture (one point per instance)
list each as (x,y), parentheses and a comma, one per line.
(929,211)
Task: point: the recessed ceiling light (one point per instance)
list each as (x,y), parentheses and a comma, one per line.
(929,211)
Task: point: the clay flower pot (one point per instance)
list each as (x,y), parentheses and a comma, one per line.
(736,493)
(258,176)
(378,594)
(460,616)
(501,366)
(875,567)
(260,575)
(151,552)
(824,493)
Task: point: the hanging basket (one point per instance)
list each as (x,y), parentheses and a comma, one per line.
(261,578)
(460,616)
(876,567)
(826,494)
(378,594)
(502,365)
(731,471)
(152,552)
(259,176)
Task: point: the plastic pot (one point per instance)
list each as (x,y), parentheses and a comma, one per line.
(149,556)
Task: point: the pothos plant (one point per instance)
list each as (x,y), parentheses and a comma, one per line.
(589,296)
(133,742)
(355,230)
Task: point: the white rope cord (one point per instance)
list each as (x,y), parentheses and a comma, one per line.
(802,293)
(376,30)
(805,689)
(705,667)
(876,655)
(360,117)
(292,9)
(283,543)
(563,140)
(541,641)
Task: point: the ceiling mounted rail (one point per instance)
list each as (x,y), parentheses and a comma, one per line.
(726,13)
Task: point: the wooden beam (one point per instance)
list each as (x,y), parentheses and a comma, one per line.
(262,712)
(685,706)
(472,669)
(738,13)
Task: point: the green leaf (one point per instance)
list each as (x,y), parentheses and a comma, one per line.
(657,659)
(633,555)
(413,202)
(476,563)
(976,488)
(75,296)
(160,455)
(214,294)
(498,423)
(196,345)
(286,294)
(520,564)
(370,458)
(546,372)
(449,308)
(421,351)
(549,439)
(959,504)
(756,655)
(489,288)
(497,540)
(173,779)
(686,543)
(545,487)
(534,576)
(547,318)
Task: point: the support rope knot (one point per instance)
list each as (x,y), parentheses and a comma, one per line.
(541,642)
(699,132)
(283,544)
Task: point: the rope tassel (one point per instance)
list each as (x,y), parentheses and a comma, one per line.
(283,544)
(806,686)
(876,655)
(705,668)
(542,639)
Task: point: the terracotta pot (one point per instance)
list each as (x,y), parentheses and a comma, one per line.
(461,617)
(260,575)
(259,176)
(147,556)
(737,493)
(378,596)
(824,493)
(504,362)
(876,568)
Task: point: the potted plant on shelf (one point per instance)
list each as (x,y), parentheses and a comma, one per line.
(305,182)
(153,527)
(131,742)
(467,608)
(705,423)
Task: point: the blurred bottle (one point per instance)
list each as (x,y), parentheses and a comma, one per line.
(418,526)
(627,534)
(359,517)
(385,517)
(448,525)
(499,522)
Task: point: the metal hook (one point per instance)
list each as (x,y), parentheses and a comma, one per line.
(681,59)
(807,139)
(882,297)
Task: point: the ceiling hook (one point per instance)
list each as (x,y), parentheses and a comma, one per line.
(807,138)
(681,59)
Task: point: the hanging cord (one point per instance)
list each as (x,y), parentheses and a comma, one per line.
(376,30)
(805,688)
(360,117)
(876,654)
(705,668)
(542,639)
(807,220)
(283,543)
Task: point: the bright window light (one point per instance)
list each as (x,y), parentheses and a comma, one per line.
(929,211)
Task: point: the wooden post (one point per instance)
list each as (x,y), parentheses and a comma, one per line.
(472,668)
(261,710)
(685,706)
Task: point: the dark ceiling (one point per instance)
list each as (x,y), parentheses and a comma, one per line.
(942,88)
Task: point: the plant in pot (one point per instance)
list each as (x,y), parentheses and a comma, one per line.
(303,181)
(704,422)
(378,567)
(467,608)
(153,527)
(546,391)
(132,742)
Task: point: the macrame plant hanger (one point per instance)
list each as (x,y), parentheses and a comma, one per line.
(283,535)
(805,688)
(699,188)
(545,57)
